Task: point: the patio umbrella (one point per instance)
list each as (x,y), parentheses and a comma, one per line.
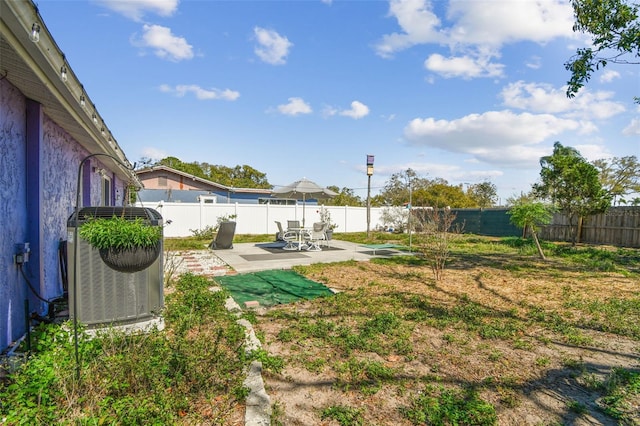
(303,189)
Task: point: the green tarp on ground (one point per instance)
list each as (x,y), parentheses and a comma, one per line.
(271,288)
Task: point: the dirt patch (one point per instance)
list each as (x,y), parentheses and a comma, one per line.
(547,368)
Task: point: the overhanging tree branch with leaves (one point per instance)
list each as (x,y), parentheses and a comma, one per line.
(615,30)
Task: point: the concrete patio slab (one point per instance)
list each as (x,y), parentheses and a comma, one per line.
(254,257)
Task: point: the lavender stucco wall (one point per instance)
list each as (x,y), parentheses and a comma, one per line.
(12,206)
(61,156)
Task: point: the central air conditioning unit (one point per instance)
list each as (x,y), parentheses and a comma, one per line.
(104,295)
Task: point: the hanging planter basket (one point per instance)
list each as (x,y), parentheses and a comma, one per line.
(130,260)
(129,239)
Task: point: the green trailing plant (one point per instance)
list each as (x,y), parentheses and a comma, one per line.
(119,233)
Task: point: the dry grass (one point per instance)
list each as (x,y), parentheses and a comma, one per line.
(536,342)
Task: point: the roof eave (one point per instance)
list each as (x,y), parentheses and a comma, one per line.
(35,68)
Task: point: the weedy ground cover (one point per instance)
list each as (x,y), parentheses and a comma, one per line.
(190,373)
(502,338)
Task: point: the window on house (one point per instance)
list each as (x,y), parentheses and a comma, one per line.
(278,201)
(106,191)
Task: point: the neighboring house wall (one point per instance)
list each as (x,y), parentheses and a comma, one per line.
(164,179)
(162,183)
(38,188)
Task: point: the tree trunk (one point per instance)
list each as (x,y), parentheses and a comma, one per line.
(572,230)
(579,229)
(535,239)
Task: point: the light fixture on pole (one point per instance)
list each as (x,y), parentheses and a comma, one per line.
(369,173)
(35,33)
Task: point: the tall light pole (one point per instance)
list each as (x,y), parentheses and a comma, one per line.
(369,173)
(410,207)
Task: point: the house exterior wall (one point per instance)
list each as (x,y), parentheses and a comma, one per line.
(12,209)
(61,156)
(54,196)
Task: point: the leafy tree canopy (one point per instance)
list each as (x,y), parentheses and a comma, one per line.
(615,30)
(484,194)
(405,186)
(620,176)
(236,177)
(345,197)
(571,183)
(531,215)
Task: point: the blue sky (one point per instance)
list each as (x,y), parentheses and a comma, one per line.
(465,90)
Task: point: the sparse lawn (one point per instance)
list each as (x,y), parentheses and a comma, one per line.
(502,339)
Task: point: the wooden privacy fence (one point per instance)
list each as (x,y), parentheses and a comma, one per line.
(619,226)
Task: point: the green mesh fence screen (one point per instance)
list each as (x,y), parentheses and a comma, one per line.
(271,288)
(491,222)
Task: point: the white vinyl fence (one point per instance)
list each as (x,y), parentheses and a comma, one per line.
(181,219)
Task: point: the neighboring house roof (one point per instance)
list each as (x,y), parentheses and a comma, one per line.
(35,68)
(204,183)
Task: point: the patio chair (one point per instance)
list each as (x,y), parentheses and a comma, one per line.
(316,236)
(224,237)
(293,224)
(280,233)
(291,238)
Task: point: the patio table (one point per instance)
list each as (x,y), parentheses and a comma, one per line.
(301,232)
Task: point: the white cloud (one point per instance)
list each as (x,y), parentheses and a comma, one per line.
(418,23)
(200,93)
(451,172)
(136,9)
(608,76)
(296,106)
(272,47)
(632,129)
(495,23)
(544,98)
(164,44)
(478,29)
(329,111)
(357,111)
(463,66)
(592,152)
(535,62)
(495,137)
(154,153)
